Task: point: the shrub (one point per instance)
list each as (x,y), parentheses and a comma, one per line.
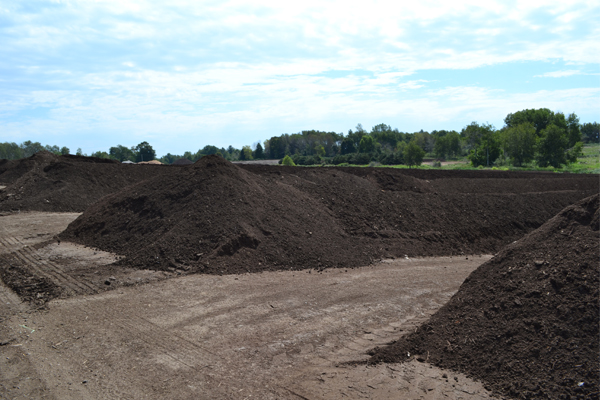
(287,160)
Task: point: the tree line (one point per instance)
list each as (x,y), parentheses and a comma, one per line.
(538,136)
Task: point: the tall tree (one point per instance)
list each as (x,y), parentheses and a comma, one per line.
(10,151)
(259,154)
(348,146)
(144,152)
(573,131)
(487,150)
(246,153)
(591,132)
(551,147)
(30,148)
(413,154)
(121,153)
(540,118)
(276,147)
(366,145)
(440,147)
(519,143)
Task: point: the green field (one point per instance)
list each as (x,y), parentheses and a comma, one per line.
(588,163)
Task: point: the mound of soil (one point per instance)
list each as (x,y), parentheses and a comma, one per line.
(182,161)
(11,170)
(526,322)
(47,182)
(454,181)
(213,217)
(217,217)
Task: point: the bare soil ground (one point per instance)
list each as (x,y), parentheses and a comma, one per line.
(272,335)
(255,308)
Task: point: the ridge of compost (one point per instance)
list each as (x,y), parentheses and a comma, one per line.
(526,322)
(217,217)
(47,182)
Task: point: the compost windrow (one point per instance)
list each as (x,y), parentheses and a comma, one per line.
(526,322)
(47,182)
(216,217)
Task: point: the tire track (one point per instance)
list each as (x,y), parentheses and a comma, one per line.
(172,345)
(6,246)
(158,339)
(58,269)
(33,262)
(10,303)
(56,278)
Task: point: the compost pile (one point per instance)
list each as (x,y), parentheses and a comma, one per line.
(526,322)
(217,217)
(182,162)
(214,217)
(47,182)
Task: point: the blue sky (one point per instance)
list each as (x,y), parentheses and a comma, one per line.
(94,74)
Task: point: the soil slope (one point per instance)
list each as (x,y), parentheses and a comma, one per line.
(526,322)
(47,182)
(216,217)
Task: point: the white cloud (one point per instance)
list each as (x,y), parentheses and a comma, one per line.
(415,84)
(144,67)
(559,74)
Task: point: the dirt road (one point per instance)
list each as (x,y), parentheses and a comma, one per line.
(272,335)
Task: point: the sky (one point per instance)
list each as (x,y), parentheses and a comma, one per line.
(185,74)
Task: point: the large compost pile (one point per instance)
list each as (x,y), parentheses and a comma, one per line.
(47,182)
(526,322)
(216,217)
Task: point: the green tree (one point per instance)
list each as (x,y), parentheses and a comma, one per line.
(52,149)
(189,156)
(453,143)
(573,131)
(474,133)
(590,132)
(101,154)
(10,151)
(519,143)
(574,152)
(413,154)
(79,152)
(551,147)
(30,148)
(169,158)
(208,150)
(486,152)
(347,146)
(440,148)
(287,160)
(366,145)
(483,142)
(144,152)
(386,136)
(424,140)
(121,153)
(319,150)
(540,118)
(259,153)
(64,150)
(276,147)
(246,153)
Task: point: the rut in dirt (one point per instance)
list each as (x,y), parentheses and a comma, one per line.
(216,217)
(526,322)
